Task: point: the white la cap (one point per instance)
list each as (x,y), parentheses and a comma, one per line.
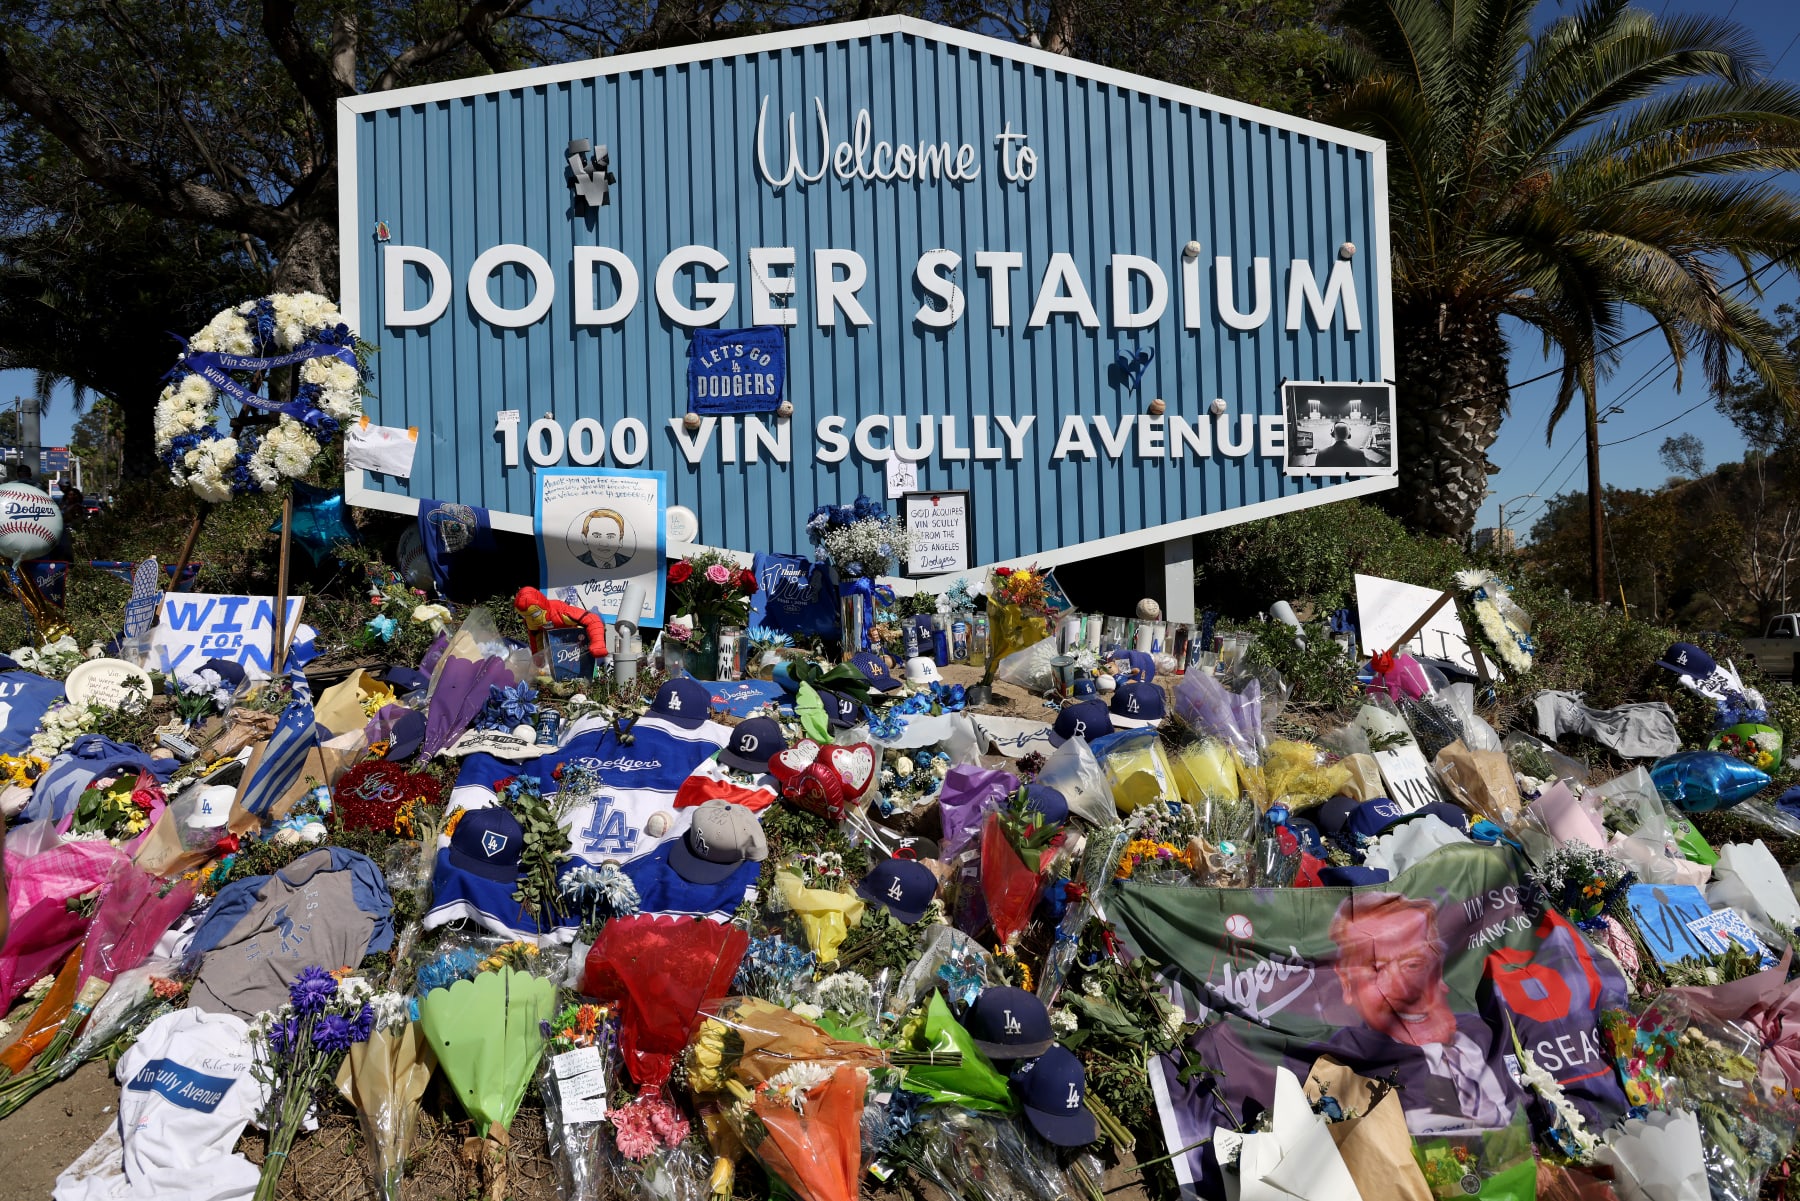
(922,670)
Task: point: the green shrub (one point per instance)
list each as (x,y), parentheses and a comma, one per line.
(1318,673)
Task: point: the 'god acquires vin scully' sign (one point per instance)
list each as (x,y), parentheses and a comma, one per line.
(982,258)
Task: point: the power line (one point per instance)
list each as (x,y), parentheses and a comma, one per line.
(1654,428)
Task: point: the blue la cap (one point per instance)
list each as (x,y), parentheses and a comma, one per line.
(1050,804)
(1054,1089)
(1353,876)
(753,743)
(1686,659)
(1140,666)
(684,702)
(870,664)
(487,843)
(1308,836)
(1445,812)
(1084,689)
(408,734)
(904,887)
(840,711)
(1084,719)
(406,679)
(1009,1023)
(1374,816)
(1138,704)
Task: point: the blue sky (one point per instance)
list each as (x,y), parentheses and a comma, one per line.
(1641,383)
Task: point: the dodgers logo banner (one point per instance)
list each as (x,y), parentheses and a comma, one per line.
(736,371)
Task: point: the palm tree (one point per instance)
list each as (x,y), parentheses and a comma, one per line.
(1615,161)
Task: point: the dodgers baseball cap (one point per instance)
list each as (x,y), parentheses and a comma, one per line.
(1084,719)
(840,710)
(870,664)
(1085,689)
(721,839)
(1050,804)
(753,743)
(1686,659)
(904,887)
(487,843)
(1444,811)
(406,679)
(1374,816)
(1009,1023)
(1138,705)
(912,846)
(1352,876)
(684,702)
(406,736)
(1053,1088)
(1139,666)
(922,670)
(1334,815)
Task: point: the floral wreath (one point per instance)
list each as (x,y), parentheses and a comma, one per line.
(287,329)
(1507,626)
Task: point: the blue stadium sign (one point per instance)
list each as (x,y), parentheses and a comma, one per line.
(980,257)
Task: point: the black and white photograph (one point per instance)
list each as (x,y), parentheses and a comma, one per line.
(1339,429)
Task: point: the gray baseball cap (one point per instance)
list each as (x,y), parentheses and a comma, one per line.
(722,838)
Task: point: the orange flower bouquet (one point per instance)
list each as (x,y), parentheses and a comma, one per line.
(805,1127)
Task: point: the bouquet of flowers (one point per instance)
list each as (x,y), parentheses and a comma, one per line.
(1018,614)
(384,1076)
(1583,882)
(298,1048)
(1757,745)
(579,1073)
(198,695)
(119,812)
(705,592)
(861,540)
(910,779)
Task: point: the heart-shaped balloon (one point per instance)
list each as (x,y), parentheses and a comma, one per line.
(790,763)
(818,789)
(855,766)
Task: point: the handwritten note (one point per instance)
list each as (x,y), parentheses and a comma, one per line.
(939,525)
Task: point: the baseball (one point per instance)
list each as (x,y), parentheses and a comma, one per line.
(1238,926)
(30,522)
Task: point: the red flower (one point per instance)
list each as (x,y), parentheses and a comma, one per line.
(1002,571)
(679,572)
(747,580)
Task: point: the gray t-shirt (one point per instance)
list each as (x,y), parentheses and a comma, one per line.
(305,916)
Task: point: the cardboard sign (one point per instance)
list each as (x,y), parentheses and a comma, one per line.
(570,658)
(940,527)
(1386,609)
(1410,783)
(1726,926)
(197,626)
(1663,913)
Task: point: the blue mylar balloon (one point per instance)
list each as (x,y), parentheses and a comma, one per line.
(1701,781)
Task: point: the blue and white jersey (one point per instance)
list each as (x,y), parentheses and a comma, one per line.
(634,811)
(662,891)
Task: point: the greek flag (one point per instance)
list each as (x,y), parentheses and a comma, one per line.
(282,759)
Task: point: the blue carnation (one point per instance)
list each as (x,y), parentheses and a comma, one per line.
(311,989)
(333,1033)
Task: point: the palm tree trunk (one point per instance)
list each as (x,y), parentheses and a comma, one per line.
(1451,396)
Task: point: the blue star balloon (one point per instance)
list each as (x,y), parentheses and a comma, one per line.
(318,521)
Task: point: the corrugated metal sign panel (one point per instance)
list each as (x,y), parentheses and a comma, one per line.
(1123,166)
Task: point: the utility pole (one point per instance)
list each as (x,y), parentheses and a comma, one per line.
(1596,515)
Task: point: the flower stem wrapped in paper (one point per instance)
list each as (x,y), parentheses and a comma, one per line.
(578,1075)
(384,1078)
(753,1041)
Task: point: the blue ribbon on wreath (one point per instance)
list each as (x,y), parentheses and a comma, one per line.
(215,367)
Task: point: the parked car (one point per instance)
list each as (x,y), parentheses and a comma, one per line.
(1778,651)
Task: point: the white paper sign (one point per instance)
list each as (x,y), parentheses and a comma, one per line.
(197,626)
(580,1084)
(902,477)
(939,525)
(1409,781)
(599,530)
(1386,609)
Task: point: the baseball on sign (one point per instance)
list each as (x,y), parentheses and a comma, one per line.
(1238,926)
(30,522)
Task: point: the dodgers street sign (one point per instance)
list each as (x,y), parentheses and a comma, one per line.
(765,267)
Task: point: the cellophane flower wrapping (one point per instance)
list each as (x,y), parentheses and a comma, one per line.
(384,1077)
(805,1127)
(660,971)
(583,1038)
(43,929)
(1007,884)
(983,1157)
(751,1041)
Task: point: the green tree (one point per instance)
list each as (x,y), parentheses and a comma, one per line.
(1759,411)
(99,441)
(1615,161)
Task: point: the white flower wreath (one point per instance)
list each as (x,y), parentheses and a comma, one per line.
(286,329)
(1507,626)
